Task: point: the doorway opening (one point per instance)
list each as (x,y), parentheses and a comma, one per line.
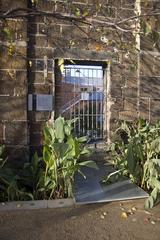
(79,94)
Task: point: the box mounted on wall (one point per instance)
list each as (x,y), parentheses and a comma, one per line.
(40,102)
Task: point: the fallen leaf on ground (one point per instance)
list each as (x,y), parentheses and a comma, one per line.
(153,222)
(130,212)
(19,205)
(134,209)
(124,215)
(146,220)
(147,212)
(123,209)
(102,216)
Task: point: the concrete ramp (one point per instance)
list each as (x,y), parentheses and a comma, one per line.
(90,190)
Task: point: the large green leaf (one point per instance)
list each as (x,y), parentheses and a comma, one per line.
(74,147)
(1,149)
(59,129)
(155,183)
(60,149)
(46,153)
(85,151)
(149,203)
(35,161)
(156,161)
(131,159)
(90,164)
(67,130)
(82,139)
(155,145)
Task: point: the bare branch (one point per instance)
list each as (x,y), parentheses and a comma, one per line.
(138,16)
(26,12)
(30,12)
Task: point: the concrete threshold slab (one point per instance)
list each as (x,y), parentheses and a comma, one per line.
(36,204)
(90,190)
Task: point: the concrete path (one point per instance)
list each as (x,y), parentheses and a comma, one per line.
(85,222)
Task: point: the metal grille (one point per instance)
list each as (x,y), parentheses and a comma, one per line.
(81,96)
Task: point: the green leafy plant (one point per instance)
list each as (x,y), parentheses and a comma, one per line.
(61,154)
(51,175)
(136,154)
(32,177)
(10,188)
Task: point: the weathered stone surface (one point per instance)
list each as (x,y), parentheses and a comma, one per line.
(14,61)
(130,70)
(54,31)
(19,29)
(12,4)
(46,6)
(40,52)
(13,108)
(82,54)
(156,67)
(13,83)
(128,115)
(129,92)
(131,82)
(144,108)
(155,109)
(43,88)
(49,80)
(117,71)
(36,136)
(40,40)
(117,81)
(150,87)
(147,63)
(127,3)
(72,32)
(39,116)
(7,83)
(38,78)
(130,104)
(116,92)
(117,104)
(147,43)
(16,133)
(20,84)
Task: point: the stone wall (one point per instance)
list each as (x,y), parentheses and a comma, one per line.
(13,82)
(150,70)
(37,43)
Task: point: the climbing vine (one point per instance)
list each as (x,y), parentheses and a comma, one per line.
(114,36)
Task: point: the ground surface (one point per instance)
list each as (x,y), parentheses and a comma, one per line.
(87,222)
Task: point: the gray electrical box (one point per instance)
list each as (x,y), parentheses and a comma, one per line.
(40,102)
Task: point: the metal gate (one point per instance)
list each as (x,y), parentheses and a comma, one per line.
(80,93)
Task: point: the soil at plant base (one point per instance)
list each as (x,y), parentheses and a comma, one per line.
(113,221)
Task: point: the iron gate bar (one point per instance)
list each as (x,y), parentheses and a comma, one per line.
(96,106)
